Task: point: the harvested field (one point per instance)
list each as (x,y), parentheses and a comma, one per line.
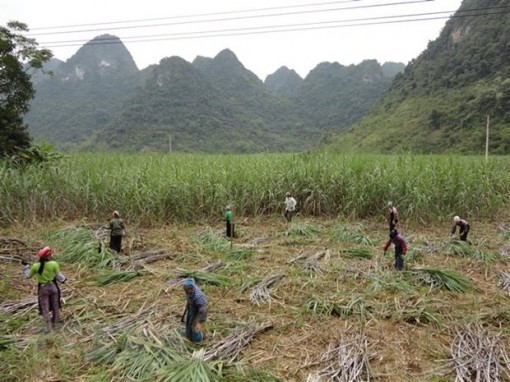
(330,305)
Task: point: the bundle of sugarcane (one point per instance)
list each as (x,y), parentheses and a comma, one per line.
(11,256)
(100,232)
(303,229)
(79,246)
(144,258)
(313,263)
(314,267)
(479,356)
(259,294)
(241,253)
(359,253)
(444,278)
(339,307)
(504,281)
(128,322)
(15,250)
(107,278)
(505,230)
(301,259)
(16,308)
(203,275)
(231,347)
(144,255)
(212,242)
(347,361)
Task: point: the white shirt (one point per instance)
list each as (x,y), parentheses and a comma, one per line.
(290,203)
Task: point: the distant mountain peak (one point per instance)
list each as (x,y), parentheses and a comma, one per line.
(284,82)
(228,59)
(104,55)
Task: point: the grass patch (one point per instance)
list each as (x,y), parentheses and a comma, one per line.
(464,249)
(351,234)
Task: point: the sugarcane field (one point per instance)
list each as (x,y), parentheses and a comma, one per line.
(311,267)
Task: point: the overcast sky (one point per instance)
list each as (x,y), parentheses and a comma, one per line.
(344,31)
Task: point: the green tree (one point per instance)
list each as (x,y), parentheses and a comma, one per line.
(18,56)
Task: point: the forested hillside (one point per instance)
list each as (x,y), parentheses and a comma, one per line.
(441,102)
(334,96)
(99,100)
(84,94)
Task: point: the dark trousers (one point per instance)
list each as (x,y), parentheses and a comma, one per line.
(399,260)
(288,215)
(194,314)
(116,243)
(49,301)
(229,232)
(464,233)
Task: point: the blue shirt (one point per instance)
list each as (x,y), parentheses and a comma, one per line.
(197,297)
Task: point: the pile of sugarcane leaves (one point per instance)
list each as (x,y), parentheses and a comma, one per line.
(465,249)
(443,278)
(82,245)
(346,361)
(17,308)
(479,356)
(159,353)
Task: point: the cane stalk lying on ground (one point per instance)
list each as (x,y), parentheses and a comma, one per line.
(479,356)
(347,361)
(17,308)
(231,347)
(128,322)
(310,262)
(259,294)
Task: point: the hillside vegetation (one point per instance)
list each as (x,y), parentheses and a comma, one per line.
(441,101)
(98,100)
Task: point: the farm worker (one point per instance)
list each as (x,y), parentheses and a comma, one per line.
(116,231)
(228,218)
(47,273)
(196,310)
(393,217)
(463,227)
(290,207)
(400,248)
